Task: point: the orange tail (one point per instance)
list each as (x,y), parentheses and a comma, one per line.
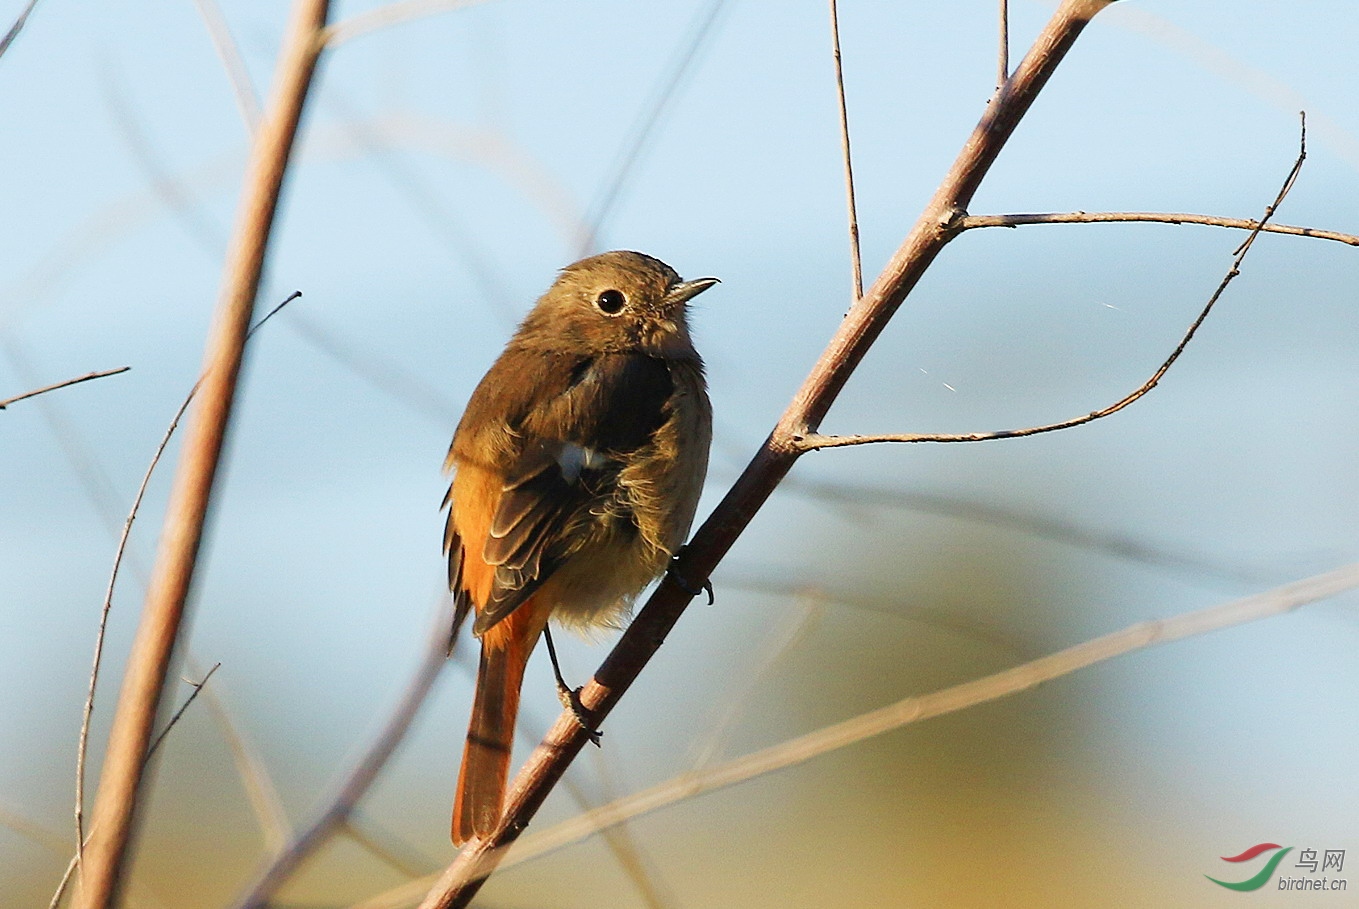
(490,738)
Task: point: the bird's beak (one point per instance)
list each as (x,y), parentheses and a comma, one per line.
(685,291)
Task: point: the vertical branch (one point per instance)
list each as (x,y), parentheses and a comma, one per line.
(163,611)
(1003,61)
(856,263)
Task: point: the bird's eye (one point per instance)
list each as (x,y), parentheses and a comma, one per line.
(611,302)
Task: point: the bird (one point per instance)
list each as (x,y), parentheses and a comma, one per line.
(576,472)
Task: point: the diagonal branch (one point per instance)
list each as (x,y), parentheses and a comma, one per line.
(163,612)
(862,324)
(76,381)
(815,441)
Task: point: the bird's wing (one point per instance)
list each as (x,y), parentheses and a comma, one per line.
(574,446)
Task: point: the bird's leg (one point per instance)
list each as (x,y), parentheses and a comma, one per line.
(692,590)
(570,697)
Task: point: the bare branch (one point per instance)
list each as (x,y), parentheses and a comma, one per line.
(861,326)
(855,261)
(163,611)
(1106,217)
(76,381)
(948,700)
(17,27)
(814,441)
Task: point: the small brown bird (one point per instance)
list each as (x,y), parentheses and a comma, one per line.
(577,468)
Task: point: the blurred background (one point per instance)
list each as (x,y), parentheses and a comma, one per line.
(451,162)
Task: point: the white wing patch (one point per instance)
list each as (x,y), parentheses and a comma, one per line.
(573,458)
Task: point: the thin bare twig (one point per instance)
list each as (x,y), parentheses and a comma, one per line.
(856,263)
(65,880)
(76,381)
(82,747)
(163,611)
(814,441)
(861,326)
(1110,217)
(338,807)
(17,27)
(120,551)
(197,687)
(1003,61)
(76,859)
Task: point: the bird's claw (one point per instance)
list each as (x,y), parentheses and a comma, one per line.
(682,584)
(571,701)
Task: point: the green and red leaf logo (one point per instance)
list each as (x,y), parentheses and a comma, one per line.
(1265,873)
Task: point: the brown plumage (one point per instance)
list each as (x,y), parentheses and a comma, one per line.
(577,468)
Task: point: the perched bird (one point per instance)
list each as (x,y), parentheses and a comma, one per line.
(577,467)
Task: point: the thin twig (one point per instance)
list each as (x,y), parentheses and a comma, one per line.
(65,880)
(82,747)
(1003,61)
(861,326)
(120,551)
(338,807)
(17,27)
(197,687)
(814,441)
(1109,217)
(856,263)
(183,530)
(948,700)
(229,52)
(76,381)
(75,861)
